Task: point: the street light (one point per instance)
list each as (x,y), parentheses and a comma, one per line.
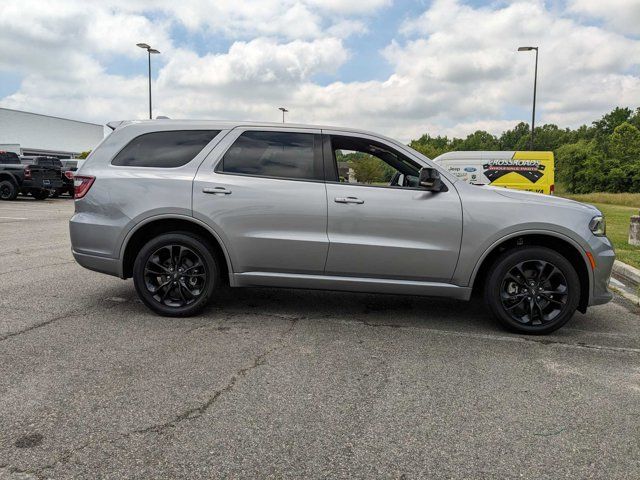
(535,81)
(149,52)
(283,110)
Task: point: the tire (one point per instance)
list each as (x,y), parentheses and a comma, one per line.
(532,290)
(8,190)
(171,288)
(40,194)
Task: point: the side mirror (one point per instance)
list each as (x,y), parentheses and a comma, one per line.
(430,180)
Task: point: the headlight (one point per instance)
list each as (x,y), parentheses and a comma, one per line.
(598,226)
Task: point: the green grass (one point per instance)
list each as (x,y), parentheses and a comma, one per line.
(617,217)
(620,199)
(617,209)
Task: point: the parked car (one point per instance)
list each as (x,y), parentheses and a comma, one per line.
(185,206)
(55,164)
(34,180)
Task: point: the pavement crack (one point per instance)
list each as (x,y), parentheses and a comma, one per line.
(230,315)
(36,326)
(506,338)
(198,411)
(189,414)
(71,314)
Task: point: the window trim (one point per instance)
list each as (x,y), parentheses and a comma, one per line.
(219,131)
(331,164)
(318,158)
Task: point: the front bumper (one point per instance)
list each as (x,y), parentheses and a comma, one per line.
(604,256)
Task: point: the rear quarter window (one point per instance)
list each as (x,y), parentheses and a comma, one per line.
(166,149)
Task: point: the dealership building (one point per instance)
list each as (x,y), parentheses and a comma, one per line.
(32,134)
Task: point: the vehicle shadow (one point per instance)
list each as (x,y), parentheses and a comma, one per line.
(380,309)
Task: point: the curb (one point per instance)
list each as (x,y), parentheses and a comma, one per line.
(627,272)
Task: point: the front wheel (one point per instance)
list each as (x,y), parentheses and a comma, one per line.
(532,290)
(175,274)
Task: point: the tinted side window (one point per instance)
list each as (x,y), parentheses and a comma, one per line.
(9,158)
(164,149)
(274,154)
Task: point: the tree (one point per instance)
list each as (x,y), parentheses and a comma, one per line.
(602,157)
(607,124)
(570,161)
(479,140)
(510,138)
(369,169)
(624,143)
(432,146)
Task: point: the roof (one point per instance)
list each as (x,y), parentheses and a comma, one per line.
(226,124)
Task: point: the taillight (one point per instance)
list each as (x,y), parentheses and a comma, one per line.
(69,174)
(27,173)
(552,189)
(81,185)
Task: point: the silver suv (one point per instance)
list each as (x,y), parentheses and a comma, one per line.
(184,207)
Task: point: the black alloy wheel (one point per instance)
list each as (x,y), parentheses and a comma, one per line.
(175,274)
(532,290)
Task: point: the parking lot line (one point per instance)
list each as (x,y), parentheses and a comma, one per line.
(14,218)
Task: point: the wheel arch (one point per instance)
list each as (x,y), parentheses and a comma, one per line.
(157,225)
(558,242)
(9,176)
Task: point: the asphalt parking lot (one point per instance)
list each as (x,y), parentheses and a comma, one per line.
(283,384)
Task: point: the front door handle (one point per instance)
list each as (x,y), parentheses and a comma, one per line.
(216,190)
(348,200)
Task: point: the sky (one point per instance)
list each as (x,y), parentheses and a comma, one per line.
(397,67)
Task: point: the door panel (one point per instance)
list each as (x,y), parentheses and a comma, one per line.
(267,224)
(393,232)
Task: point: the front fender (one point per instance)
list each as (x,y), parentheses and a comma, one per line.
(579,246)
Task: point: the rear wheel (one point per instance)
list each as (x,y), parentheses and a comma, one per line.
(175,274)
(532,290)
(8,190)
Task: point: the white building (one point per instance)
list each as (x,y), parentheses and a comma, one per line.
(33,134)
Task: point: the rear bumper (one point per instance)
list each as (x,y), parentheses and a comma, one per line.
(110,266)
(36,185)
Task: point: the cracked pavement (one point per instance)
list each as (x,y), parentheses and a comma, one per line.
(284,383)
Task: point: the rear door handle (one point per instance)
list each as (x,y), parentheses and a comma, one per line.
(216,190)
(348,200)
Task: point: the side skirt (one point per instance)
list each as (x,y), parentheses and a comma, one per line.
(350,284)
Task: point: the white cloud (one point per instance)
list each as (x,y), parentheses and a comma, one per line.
(350,6)
(622,15)
(455,68)
(262,61)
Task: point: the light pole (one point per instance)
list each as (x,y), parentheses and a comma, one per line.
(149,52)
(283,110)
(535,82)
